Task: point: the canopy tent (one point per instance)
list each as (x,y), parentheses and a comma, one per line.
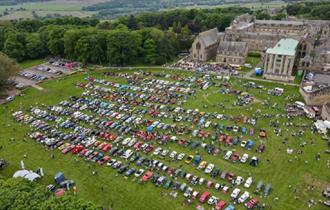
(322,126)
(29,175)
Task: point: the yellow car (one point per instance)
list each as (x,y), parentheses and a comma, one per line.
(189,159)
(202,165)
(63,146)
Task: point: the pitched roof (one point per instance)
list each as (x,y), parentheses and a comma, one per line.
(209,37)
(229,46)
(284,47)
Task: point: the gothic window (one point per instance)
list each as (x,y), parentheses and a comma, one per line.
(198,46)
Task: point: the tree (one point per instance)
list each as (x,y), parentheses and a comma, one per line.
(132,23)
(150,51)
(91,49)
(8,68)
(70,39)
(14,46)
(34,47)
(29,25)
(56,41)
(279,16)
(122,46)
(19,194)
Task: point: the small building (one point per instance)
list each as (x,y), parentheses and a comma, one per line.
(325,114)
(205,45)
(230,52)
(279,60)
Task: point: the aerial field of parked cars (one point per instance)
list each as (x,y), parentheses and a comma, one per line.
(201,141)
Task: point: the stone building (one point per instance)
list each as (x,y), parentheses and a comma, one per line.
(232,52)
(205,45)
(325,114)
(315,88)
(280,59)
(313,51)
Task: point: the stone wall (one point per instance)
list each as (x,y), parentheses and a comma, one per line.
(325,114)
(318,97)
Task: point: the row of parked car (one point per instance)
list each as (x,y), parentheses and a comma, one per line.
(33,76)
(113,124)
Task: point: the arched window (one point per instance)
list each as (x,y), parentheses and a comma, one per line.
(198,46)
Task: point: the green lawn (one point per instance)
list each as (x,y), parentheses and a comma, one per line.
(251,60)
(121,193)
(31,63)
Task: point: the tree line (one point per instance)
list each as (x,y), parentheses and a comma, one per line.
(18,194)
(152,38)
(311,10)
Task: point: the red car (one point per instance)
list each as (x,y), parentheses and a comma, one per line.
(102,145)
(103,160)
(220,205)
(67,149)
(83,152)
(112,137)
(149,148)
(97,143)
(147,176)
(138,145)
(204,197)
(106,148)
(230,176)
(235,157)
(77,149)
(252,203)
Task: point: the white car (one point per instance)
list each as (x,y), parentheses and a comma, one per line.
(127,154)
(248,182)
(201,181)
(228,155)
(207,124)
(243,143)
(164,152)
(213,200)
(235,193)
(188,192)
(209,168)
(139,172)
(239,180)
(157,150)
(131,143)
(181,156)
(125,142)
(225,189)
(173,154)
(244,197)
(244,158)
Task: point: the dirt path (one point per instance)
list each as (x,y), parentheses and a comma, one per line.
(37,87)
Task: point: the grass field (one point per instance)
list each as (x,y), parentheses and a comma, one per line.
(70,8)
(120,193)
(30,63)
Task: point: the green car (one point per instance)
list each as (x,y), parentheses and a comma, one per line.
(168,184)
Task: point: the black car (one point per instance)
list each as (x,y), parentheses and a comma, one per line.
(113,151)
(216,172)
(122,169)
